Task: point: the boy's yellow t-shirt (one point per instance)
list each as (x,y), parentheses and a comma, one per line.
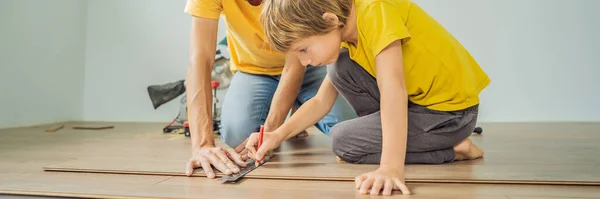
(249,49)
(439,72)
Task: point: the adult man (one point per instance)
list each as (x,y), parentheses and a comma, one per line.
(262,89)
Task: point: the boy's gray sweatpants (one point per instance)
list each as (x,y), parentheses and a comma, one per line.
(431,133)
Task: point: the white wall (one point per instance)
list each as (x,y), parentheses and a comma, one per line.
(140,43)
(42,47)
(540,54)
(540,57)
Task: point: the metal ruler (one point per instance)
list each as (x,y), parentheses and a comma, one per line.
(243,171)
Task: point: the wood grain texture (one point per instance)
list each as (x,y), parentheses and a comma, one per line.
(521,153)
(121,186)
(24,150)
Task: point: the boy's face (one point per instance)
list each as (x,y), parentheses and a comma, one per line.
(318,50)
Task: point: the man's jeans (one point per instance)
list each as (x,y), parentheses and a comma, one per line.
(248,99)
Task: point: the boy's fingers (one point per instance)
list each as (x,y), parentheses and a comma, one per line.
(270,153)
(260,153)
(251,142)
(387,187)
(377,185)
(402,187)
(250,151)
(366,185)
(358,180)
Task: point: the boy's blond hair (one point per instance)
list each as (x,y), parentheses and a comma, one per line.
(287,21)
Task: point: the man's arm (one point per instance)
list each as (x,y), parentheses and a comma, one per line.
(286,93)
(199,97)
(199,100)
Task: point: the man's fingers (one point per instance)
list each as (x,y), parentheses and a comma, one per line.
(237,159)
(225,159)
(214,160)
(190,166)
(387,187)
(206,167)
(377,185)
(244,157)
(402,187)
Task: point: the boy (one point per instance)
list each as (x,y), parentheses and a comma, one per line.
(413,85)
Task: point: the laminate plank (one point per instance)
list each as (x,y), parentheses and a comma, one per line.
(456,190)
(539,197)
(521,153)
(114,186)
(23,151)
(7,196)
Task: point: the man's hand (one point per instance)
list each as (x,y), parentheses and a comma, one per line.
(271,141)
(387,178)
(222,160)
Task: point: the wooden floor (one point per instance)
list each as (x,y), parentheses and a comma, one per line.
(25,151)
(522,155)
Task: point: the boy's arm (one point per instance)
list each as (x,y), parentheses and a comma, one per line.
(310,112)
(394,112)
(394,106)
(385,32)
(286,93)
(283,99)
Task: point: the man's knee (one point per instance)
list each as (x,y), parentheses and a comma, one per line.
(234,132)
(343,142)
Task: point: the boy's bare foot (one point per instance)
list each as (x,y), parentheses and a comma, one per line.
(339,160)
(466,150)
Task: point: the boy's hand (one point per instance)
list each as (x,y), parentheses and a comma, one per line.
(385,178)
(225,161)
(271,140)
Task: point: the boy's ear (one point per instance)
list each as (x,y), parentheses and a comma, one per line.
(331,18)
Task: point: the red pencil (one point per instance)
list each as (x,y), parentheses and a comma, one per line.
(260,139)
